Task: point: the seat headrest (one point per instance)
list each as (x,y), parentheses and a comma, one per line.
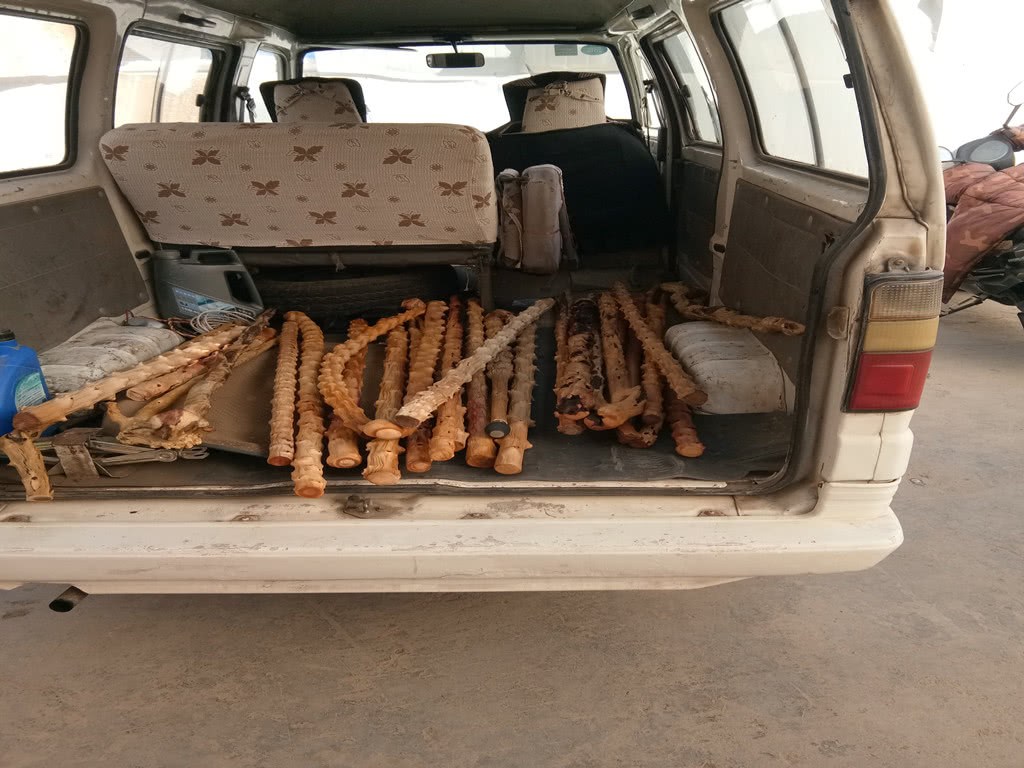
(562,104)
(315,100)
(518,91)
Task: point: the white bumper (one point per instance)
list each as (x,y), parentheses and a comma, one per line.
(526,544)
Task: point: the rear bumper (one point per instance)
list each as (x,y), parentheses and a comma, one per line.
(847,530)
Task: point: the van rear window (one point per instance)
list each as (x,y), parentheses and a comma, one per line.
(795,70)
(160,81)
(401,88)
(36,60)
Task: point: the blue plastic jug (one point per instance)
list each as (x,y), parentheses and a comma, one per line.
(21,379)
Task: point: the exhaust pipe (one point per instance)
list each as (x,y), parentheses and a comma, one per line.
(67,599)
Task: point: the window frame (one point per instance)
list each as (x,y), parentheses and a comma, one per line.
(624,72)
(76,71)
(283,71)
(215,106)
(754,119)
(654,46)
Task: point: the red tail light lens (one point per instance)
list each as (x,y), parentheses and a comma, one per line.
(900,323)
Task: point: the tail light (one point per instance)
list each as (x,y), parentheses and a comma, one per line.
(901,321)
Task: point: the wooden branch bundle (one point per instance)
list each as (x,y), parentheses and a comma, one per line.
(420,408)
(449,435)
(582,380)
(382,455)
(679,295)
(422,364)
(625,400)
(282,405)
(343,442)
(28,461)
(514,445)
(184,426)
(480,447)
(308,465)
(36,418)
(678,379)
(566,425)
(332,372)
(499,373)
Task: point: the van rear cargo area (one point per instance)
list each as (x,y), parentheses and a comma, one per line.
(740,449)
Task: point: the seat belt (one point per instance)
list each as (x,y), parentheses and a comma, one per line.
(243,95)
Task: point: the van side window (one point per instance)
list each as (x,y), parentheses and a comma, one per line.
(36,61)
(795,70)
(698,95)
(266,66)
(160,81)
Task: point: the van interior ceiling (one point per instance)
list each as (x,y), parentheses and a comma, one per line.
(292,252)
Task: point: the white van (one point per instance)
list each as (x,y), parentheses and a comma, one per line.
(775,154)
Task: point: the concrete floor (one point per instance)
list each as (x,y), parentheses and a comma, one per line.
(917,662)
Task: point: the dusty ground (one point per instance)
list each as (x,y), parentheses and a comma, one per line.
(917,662)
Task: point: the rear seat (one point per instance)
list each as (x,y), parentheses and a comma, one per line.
(613,188)
(307,186)
(315,100)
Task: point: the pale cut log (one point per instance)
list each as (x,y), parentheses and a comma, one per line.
(499,373)
(342,442)
(282,404)
(678,379)
(420,408)
(308,463)
(36,418)
(480,447)
(512,448)
(28,461)
(680,420)
(449,434)
(566,425)
(679,295)
(332,372)
(382,455)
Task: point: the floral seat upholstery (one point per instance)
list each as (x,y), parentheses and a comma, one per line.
(307,185)
(315,100)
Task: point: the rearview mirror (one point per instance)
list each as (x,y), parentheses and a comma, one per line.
(455,60)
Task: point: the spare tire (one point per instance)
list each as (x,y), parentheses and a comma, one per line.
(332,297)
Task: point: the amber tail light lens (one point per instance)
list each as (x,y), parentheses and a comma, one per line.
(900,326)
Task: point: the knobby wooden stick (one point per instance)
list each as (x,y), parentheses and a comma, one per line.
(332,373)
(678,379)
(382,455)
(308,464)
(625,402)
(679,295)
(36,418)
(422,364)
(419,409)
(513,446)
(499,374)
(342,442)
(449,434)
(28,461)
(653,417)
(282,405)
(566,425)
(684,433)
(480,447)
(582,386)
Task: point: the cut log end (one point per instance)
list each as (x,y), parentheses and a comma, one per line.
(510,461)
(279,461)
(382,429)
(691,450)
(309,491)
(481,452)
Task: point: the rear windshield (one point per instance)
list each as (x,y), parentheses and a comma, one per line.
(400,88)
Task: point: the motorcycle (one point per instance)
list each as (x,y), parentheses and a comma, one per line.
(985,218)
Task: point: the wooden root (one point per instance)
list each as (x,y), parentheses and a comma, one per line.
(282,406)
(420,408)
(678,379)
(624,399)
(332,372)
(342,442)
(513,446)
(684,433)
(36,418)
(28,461)
(679,295)
(424,353)
(449,435)
(308,463)
(566,425)
(581,390)
(481,449)
(382,455)
(499,374)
